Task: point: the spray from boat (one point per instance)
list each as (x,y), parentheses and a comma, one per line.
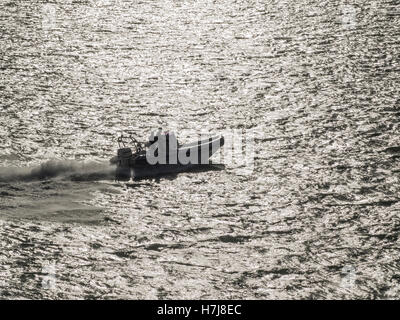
(59,169)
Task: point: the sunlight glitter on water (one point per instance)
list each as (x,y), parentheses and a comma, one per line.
(315,217)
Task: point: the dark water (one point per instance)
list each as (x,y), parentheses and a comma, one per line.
(317,83)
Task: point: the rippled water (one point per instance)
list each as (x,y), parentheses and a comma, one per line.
(316,81)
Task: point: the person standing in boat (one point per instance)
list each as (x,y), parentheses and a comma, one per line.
(153,137)
(170,138)
(163,146)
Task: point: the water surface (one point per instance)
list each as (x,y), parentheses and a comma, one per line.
(317,82)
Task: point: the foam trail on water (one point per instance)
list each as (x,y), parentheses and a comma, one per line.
(64,169)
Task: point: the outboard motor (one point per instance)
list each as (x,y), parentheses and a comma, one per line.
(123,172)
